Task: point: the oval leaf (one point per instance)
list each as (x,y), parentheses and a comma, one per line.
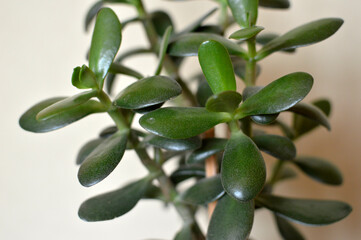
(203,192)
(92,12)
(217,66)
(161,21)
(312,112)
(186,172)
(113,204)
(304,35)
(276,146)
(148,92)
(264,119)
(287,230)
(319,169)
(281,4)
(306,211)
(103,160)
(231,220)
(87,149)
(244,11)
(106,40)
(243,170)
(28,119)
(209,147)
(277,96)
(173,144)
(226,101)
(246,33)
(178,122)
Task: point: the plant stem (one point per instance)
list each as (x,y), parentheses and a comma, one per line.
(250,77)
(276,171)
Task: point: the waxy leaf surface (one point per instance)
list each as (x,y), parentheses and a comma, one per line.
(312,112)
(203,93)
(306,211)
(281,4)
(209,147)
(84,78)
(87,149)
(179,122)
(186,172)
(161,21)
(243,170)
(226,101)
(231,219)
(287,231)
(246,33)
(244,11)
(103,159)
(113,204)
(174,144)
(277,146)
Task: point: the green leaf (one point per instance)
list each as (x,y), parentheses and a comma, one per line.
(264,119)
(203,92)
(210,146)
(265,38)
(28,119)
(312,112)
(113,204)
(226,101)
(116,68)
(304,35)
(319,169)
(243,170)
(277,146)
(161,21)
(106,40)
(107,132)
(217,66)
(173,144)
(189,232)
(163,49)
(148,109)
(188,44)
(178,122)
(84,78)
(65,105)
(306,211)
(231,220)
(287,231)
(209,28)
(148,92)
(277,96)
(103,160)
(244,11)
(203,192)
(246,33)
(281,4)
(239,67)
(186,172)
(87,149)
(92,12)
(250,91)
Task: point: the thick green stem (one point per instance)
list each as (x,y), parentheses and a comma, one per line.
(250,77)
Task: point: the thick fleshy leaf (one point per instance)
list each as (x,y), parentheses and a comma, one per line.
(65,105)
(161,21)
(243,170)
(106,40)
(319,169)
(217,66)
(210,28)
(244,11)
(92,12)
(203,192)
(163,49)
(250,91)
(203,93)
(265,38)
(117,68)
(264,119)
(304,35)
(246,33)
(189,232)
(277,96)
(148,92)
(210,146)
(226,101)
(188,44)
(178,122)
(113,204)
(173,144)
(231,219)
(186,172)
(28,119)
(107,132)
(281,4)
(312,112)
(287,231)
(103,159)
(277,146)
(306,211)
(148,109)
(87,149)
(84,78)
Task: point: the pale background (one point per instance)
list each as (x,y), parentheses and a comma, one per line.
(43,40)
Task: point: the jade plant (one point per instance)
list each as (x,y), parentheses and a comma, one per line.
(227,174)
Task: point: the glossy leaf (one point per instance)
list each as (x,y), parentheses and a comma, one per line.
(107,132)
(178,122)
(196,24)
(304,35)
(264,119)
(173,144)
(203,192)
(209,28)
(28,119)
(277,146)
(231,219)
(250,91)
(118,68)
(103,160)
(226,101)
(246,33)
(203,93)
(113,204)
(161,21)
(87,149)
(306,211)
(84,78)
(287,231)
(186,172)
(189,232)
(163,49)
(244,11)
(210,146)
(65,105)
(243,170)
(148,109)
(92,12)
(277,96)
(265,38)
(280,4)
(106,40)
(319,169)
(148,92)
(217,66)
(188,44)
(312,112)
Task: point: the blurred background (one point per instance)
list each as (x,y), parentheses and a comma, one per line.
(43,40)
